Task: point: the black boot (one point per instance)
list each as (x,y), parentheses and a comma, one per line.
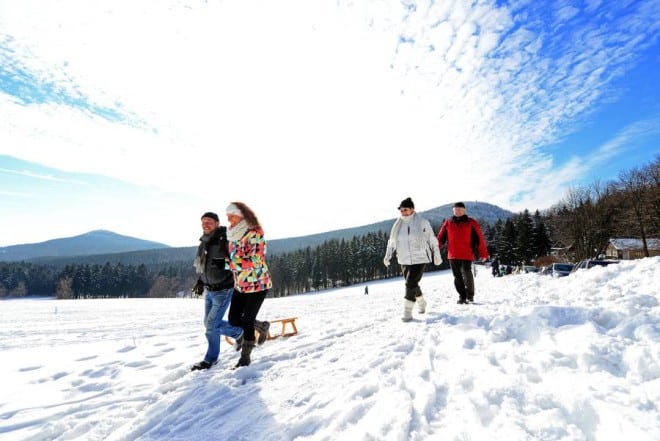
(246,350)
(201,366)
(238,343)
(262,328)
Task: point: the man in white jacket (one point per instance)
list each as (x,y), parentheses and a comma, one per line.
(415,244)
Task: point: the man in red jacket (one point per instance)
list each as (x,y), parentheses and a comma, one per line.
(462,234)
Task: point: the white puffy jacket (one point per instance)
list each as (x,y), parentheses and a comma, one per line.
(413,240)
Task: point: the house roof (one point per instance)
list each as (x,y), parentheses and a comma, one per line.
(635,244)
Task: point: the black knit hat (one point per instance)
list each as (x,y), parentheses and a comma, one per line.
(211,215)
(406,203)
(459,205)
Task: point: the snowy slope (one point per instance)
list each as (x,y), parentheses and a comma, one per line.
(575,358)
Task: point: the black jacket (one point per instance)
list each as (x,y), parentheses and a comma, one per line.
(217,275)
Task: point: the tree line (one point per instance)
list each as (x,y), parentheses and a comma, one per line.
(519,240)
(331,264)
(626,207)
(75,281)
(583,221)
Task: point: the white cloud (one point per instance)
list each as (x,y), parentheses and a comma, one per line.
(565,13)
(29,174)
(337,110)
(624,140)
(16,194)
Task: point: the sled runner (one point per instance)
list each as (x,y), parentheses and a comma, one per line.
(285,323)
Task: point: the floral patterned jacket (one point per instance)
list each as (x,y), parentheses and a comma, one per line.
(247,260)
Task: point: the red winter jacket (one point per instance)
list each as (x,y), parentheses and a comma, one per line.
(462,235)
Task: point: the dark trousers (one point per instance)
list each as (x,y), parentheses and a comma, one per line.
(413,274)
(243,311)
(463,280)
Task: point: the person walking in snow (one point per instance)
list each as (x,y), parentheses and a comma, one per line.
(218,281)
(462,234)
(247,260)
(414,242)
(495,267)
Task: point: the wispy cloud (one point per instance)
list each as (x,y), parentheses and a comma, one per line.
(16,194)
(548,182)
(30,174)
(312,101)
(537,85)
(627,138)
(33,86)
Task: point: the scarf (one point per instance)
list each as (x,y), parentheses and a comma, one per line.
(397,225)
(235,233)
(200,258)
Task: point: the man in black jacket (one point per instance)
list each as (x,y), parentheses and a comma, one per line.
(217,280)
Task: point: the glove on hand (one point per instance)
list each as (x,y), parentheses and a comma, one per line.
(437,260)
(386,262)
(198,288)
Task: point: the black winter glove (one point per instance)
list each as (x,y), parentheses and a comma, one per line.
(198,288)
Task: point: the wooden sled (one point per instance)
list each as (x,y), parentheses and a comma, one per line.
(281,325)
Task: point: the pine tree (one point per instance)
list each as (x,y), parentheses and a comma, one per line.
(540,237)
(524,244)
(506,245)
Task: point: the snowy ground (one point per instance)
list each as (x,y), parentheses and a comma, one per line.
(537,358)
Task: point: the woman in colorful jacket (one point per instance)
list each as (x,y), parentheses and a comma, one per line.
(247,260)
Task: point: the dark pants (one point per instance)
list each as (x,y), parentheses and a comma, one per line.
(463,280)
(243,311)
(413,274)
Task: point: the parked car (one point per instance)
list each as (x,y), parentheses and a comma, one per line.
(530,269)
(590,263)
(561,269)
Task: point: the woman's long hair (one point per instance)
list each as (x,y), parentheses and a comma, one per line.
(249,216)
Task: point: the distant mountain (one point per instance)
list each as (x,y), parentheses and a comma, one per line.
(94,242)
(485,213)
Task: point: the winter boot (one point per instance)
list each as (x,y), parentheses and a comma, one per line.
(246,350)
(238,342)
(407,310)
(202,365)
(262,328)
(421,304)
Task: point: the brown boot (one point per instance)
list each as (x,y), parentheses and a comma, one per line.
(246,350)
(262,328)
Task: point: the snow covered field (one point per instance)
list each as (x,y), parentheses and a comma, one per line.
(576,358)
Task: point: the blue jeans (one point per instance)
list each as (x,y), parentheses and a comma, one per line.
(215,306)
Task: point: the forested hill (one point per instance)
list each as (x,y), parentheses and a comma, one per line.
(94,242)
(484,212)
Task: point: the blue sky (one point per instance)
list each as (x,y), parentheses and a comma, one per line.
(137,117)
